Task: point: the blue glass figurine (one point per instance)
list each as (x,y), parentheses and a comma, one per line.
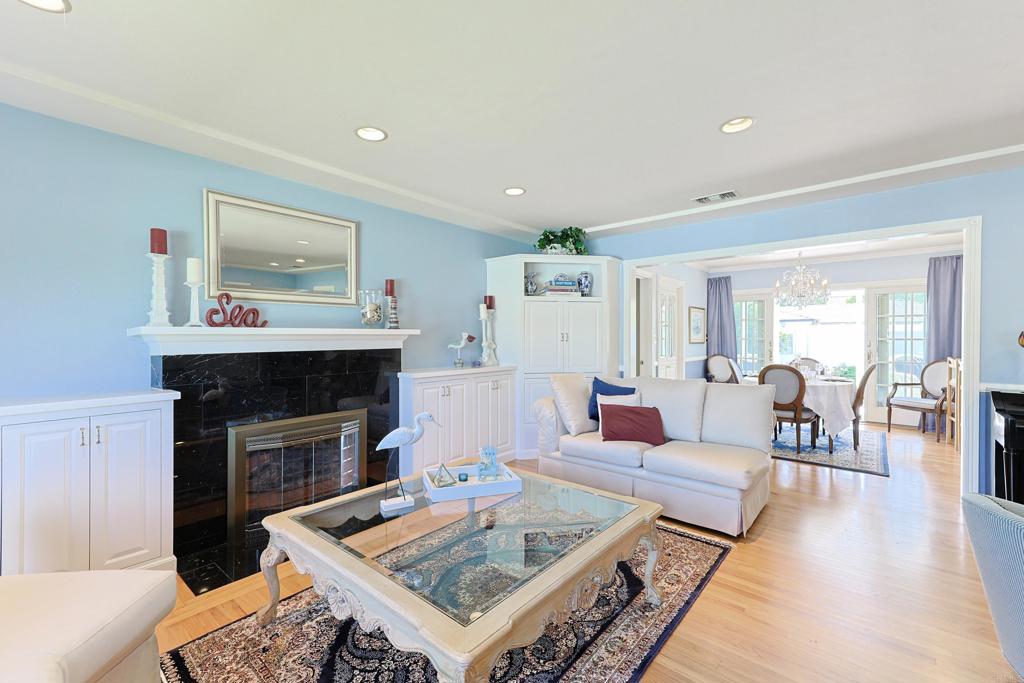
(488,470)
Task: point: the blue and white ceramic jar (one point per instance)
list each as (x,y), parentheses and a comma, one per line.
(585,281)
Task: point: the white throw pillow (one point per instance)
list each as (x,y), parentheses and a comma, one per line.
(623,400)
(739,415)
(572,398)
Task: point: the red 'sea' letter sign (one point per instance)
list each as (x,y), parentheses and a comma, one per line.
(239,316)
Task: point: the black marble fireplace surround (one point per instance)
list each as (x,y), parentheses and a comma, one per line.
(219,391)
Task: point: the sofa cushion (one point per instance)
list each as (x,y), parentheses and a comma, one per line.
(739,415)
(572,398)
(602,388)
(592,447)
(79,623)
(733,466)
(632,423)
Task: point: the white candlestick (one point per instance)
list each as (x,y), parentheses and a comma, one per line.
(158,314)
(194,269)
(489,357)
(193,316)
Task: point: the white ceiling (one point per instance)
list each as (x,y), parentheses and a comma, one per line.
(857,250)
(607,112)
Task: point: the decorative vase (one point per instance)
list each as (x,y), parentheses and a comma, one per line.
(556,249)
(585,281)
(529,285)
(371,307)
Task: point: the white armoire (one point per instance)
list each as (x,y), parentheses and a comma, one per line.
(542,335)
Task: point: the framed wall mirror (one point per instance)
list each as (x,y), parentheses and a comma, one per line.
(259,251)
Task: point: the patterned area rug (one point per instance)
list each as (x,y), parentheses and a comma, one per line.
(615,640)
(872,457)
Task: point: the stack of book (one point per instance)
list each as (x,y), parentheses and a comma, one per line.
(566,288)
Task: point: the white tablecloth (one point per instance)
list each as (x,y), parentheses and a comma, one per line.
(832,400)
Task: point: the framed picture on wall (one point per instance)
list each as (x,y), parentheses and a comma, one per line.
(698,325)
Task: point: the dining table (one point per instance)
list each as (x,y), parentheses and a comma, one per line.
(829,397)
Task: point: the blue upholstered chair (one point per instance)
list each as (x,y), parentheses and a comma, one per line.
(997,534)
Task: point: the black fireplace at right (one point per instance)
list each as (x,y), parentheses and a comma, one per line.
(1008,434)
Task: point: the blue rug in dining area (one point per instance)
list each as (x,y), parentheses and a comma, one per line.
(872,457)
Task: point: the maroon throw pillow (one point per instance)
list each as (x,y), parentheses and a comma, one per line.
(631,423)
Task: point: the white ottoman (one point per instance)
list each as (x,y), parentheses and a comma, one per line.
(73,627)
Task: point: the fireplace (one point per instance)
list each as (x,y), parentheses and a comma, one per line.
(232,397)
(283,464)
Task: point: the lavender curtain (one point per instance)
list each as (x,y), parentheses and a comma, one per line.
(721,317)
(945,309)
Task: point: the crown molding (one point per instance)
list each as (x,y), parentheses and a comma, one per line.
(52,96)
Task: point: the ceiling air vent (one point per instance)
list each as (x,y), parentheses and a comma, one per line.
(717,197)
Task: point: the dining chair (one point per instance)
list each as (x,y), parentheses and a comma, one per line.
(932,400)
(858,406)
(790,388)
(721,369)
(954,378)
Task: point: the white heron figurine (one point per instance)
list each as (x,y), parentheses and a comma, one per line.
(466,338)
(402,436)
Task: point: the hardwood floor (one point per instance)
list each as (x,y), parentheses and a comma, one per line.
(844,577)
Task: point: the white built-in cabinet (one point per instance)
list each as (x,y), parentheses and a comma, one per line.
(87,483)
(544,335)
(472,407)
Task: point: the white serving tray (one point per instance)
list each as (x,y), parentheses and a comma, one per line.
(507,482)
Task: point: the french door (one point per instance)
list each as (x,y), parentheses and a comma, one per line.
(897,325)
(754,347)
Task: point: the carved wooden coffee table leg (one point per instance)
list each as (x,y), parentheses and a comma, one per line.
(269,559)
(653,545)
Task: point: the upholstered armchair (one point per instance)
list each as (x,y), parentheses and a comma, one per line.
(932,400)
(790,388)
(723,369)
(996,528)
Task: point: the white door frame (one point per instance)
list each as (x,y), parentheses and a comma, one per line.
(769,317)
(634,313)
(970,226)
(677,288)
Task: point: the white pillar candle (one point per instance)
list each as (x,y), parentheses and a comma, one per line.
(194,269)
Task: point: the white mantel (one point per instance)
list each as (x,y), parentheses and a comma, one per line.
(178,341)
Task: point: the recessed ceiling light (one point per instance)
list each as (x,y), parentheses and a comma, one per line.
(58,6)
(737,125)
(515,191)
(371,134)
(274,263)
(300,260)
(304,243)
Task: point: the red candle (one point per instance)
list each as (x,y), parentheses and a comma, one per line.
(389,288)
(489,301)
(157,241)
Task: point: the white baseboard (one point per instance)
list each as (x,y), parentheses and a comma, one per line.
(527,454)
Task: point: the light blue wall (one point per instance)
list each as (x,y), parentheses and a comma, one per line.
(76,205)
(997,197)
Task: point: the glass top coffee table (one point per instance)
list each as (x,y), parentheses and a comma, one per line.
(462,581)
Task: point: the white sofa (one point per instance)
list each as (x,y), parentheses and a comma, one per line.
(72,627)
(712,473)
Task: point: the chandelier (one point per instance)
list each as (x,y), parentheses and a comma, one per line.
(802,287)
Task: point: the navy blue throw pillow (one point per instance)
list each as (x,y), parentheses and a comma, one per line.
(606,389)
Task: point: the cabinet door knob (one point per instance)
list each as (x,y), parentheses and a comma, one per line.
(97,434)
(83,436)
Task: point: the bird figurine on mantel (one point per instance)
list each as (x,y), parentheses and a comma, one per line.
(467,338)
(402,436)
